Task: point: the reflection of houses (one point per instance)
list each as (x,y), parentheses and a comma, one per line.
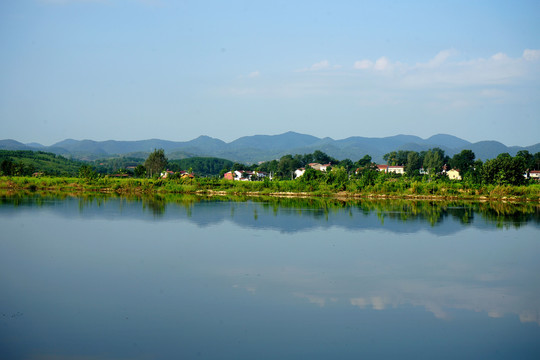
(396,169)
(453,174)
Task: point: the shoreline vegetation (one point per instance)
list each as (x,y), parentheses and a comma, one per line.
(391,188)
(426,175)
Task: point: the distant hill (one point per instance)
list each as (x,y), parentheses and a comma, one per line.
(252,149)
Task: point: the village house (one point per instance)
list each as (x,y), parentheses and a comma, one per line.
(241,175)
(397,169)
(316,166)
(299,172)
(534,174)
(319,167)
(165,174)
(453,174)
(183,174)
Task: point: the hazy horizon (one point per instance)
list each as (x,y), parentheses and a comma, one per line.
(202,135)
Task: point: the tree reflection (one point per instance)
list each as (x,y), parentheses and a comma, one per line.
(501,214)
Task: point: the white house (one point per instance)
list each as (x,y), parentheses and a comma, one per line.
(319,167)
(241,175)
(397,169)
(534,174)
(453,174)
(299,172)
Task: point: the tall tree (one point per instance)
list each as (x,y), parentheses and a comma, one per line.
(504,170)
(363,162)
(156,162)
(527,157)
(464,162)
(286,166)
(139,171)
(391,158)
(7,167)
(414,162)
(323,158)
(434,161)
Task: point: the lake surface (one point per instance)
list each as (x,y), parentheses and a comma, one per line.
(189,278)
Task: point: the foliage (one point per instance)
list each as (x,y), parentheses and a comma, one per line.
(26,162)
(363,162)
(464,162)
(115,165)
(504,170)
(140,171)
(414,162)
(156,162)
(532,162)
(202,166)
(286,167)
(86,172)
(399,158)
(433,161)
(311,176)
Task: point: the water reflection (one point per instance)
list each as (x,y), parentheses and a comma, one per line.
(313,211)
(191,277)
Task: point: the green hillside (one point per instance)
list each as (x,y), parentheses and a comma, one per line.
(27,162)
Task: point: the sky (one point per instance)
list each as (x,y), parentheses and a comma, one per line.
(175,70)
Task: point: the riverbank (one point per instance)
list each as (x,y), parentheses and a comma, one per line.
(396,189)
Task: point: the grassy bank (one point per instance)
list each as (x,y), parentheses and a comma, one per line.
(393,188)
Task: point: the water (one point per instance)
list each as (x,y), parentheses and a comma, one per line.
(185,278)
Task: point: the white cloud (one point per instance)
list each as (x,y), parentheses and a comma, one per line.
(363,64)
(439,59)
(254,74)
(500,57)
(444,81)
(320,65)
(382,64)
(531,55)
(499,69)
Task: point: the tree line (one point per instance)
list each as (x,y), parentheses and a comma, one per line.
(429,165)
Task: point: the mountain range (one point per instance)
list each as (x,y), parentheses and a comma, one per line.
(252,149)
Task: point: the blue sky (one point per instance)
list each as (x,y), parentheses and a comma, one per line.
(140,69)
